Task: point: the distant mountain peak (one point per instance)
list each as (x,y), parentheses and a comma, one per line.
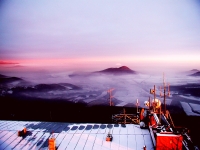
(6,79)
(120,70)
(195,74)
(124,68)
(194,70)
(3,76)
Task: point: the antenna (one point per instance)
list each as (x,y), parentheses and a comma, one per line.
(164,80)
(156,102)
(164,92)
(153,91)
(137,103)
(110,96)
(149,103)
(160,91)
(168,90)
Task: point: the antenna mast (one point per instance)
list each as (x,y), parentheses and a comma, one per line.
(164,92)
(137,103)
(110,96)
(153,91)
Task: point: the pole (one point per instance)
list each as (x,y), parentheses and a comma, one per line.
(164,102)
(149,103)
(154,94)
(160,115)
(164,93)
(124,116)
(110,96)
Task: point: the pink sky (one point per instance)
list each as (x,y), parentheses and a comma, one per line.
(142,63)
(94,35)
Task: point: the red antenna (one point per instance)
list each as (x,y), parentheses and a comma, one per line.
(110,96)
(153,91)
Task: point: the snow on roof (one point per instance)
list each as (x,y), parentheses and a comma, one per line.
(73,136)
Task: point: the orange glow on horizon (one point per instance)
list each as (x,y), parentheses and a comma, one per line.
(138,60)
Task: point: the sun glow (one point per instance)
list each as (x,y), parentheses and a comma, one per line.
(171,60)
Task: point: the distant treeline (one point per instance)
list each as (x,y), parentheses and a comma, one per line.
(61,110)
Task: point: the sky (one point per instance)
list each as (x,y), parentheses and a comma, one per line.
(94,35)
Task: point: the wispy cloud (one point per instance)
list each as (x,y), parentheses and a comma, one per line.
(8,63)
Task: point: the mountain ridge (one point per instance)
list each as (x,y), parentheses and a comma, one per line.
(7,79)
(123,70)
(195,74)
(120,70)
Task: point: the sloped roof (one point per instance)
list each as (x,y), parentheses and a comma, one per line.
(73,136)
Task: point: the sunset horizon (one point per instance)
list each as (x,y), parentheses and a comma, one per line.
(80,36)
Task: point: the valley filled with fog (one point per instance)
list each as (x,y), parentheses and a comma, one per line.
(91,88)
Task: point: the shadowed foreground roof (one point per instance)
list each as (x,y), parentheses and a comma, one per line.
(73,136)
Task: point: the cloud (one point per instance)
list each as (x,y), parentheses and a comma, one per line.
(16,66)
(118,64)
(8,63)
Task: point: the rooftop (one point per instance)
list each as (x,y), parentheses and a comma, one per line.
(73,136)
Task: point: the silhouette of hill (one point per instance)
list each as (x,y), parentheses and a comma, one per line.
(116,71)
(53,87)
(2,76)
(120,70)
(195,74)
(5,79)
(190,72)
(10,85)
(194,70)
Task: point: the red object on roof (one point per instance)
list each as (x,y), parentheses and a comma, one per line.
(168,141)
